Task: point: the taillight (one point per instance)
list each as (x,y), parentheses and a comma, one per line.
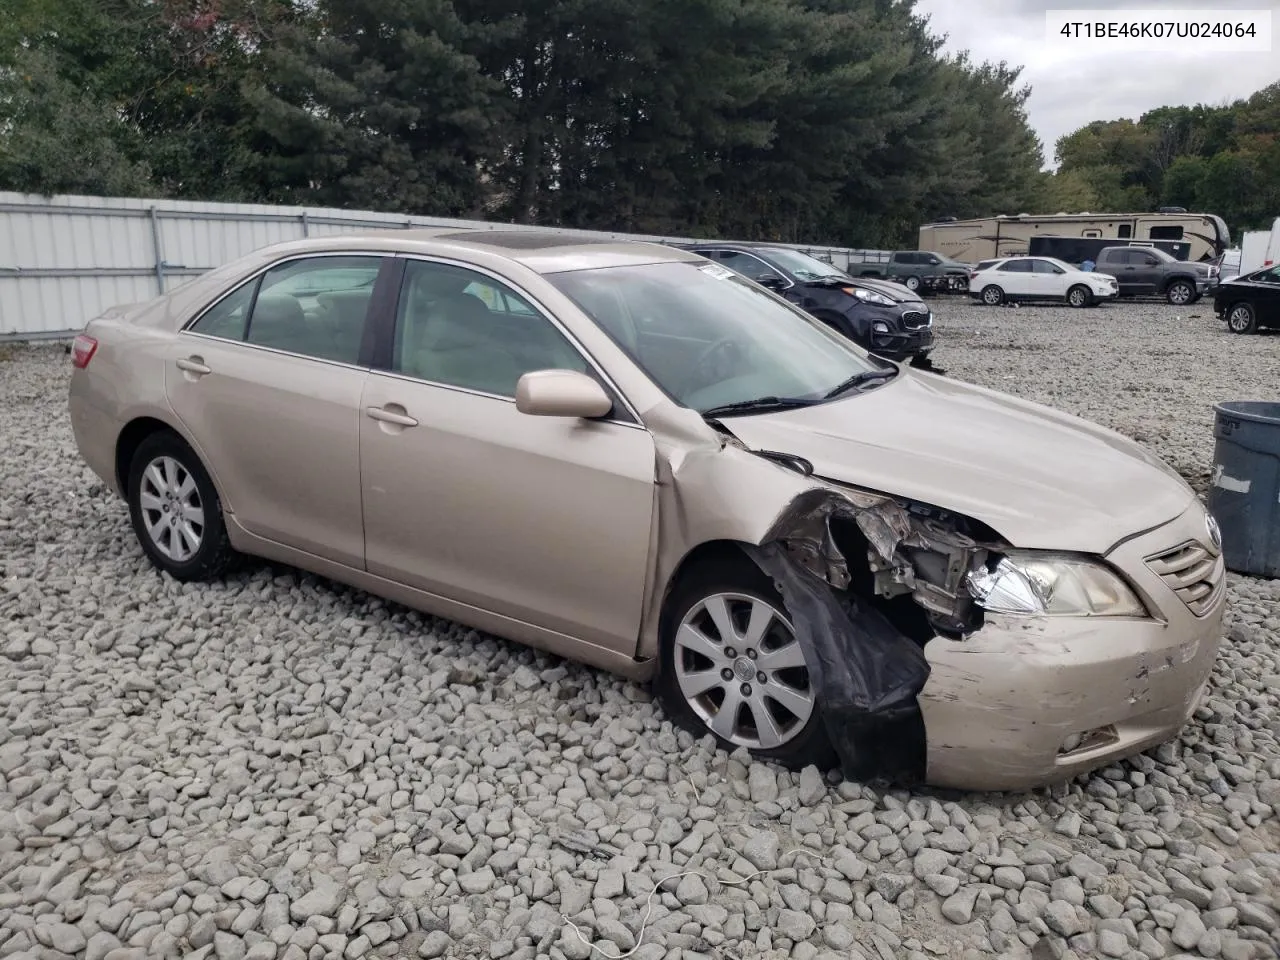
(83,347)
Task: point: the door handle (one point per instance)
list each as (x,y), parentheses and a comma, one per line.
(388,415)
(194,365)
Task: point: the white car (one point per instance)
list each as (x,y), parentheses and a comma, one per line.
(1039,278)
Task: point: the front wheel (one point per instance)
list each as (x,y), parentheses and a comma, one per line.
(1079,296)
(175,510)
(912,283)
(1242,318)
(1180,293)
(732,667)
(992,295)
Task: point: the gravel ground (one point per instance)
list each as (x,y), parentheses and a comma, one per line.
(275,766)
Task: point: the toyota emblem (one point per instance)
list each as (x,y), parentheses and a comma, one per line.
(1215,532)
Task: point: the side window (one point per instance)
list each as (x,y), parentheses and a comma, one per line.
(1146,259)
(314,307)
(747,265)
(1015,266)
(460,328)
(1165,233)
(1124,231)
(227,317)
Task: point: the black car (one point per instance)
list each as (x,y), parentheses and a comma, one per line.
(1251,302)
(883,317)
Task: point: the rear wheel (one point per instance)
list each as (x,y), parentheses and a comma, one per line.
(1079,296)
(733,667)
(992,295)
(175,510)
(912,283)
(1180,293)
(1242,318)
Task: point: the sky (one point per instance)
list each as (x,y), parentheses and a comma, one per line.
(1074,83)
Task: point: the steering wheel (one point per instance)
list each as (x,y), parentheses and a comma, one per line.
(713,349)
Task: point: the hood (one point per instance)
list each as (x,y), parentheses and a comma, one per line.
(894,291)
(1040,478)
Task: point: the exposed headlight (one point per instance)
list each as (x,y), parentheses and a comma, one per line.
(869,296)
(1028,584)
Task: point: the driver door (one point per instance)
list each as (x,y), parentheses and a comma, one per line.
(545,520)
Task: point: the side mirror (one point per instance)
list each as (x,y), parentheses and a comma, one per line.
(772,281)
(561,393)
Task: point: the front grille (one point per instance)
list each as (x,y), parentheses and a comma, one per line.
(1193,572)
(914,319)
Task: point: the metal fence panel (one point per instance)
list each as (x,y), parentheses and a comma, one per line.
(63,260)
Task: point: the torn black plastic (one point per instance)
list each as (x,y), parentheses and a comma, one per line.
(866,673)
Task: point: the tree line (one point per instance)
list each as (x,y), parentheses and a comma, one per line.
(1209,159)
(836,121)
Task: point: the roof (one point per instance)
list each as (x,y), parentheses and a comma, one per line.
(546,251)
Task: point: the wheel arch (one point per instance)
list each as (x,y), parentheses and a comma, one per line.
(148,424)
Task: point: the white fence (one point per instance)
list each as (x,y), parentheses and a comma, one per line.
(63,260)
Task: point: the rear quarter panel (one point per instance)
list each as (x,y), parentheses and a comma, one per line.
(124,381)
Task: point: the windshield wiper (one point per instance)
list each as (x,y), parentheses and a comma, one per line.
(758,405)
(858,379)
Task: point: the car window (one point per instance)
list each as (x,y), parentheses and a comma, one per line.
(735,343)
(227,317)
(460,328)
(746,264)
(315,307)
(1015,266)
(984,265)
(1045,266)
(1269,276)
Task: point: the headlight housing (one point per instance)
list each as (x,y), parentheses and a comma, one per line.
(869,296)
(1055,585)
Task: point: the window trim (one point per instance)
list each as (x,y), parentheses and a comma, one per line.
(385,260)
(385,327)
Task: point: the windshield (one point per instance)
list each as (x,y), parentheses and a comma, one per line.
(804,266)
(710,338)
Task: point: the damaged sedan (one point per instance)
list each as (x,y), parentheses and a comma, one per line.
(630,456)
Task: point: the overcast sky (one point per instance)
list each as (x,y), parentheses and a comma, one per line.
(1073,84)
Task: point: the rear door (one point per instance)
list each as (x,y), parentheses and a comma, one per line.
(1015,278)
(268,383)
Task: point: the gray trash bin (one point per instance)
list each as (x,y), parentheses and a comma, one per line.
(1245,492)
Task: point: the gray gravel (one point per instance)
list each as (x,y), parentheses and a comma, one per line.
(277,767)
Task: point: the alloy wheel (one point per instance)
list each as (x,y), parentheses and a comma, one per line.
(1240,319)
(171,509)
(741,669)
(1179,294)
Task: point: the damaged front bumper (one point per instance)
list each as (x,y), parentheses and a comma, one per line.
(985,701)
(1026,701)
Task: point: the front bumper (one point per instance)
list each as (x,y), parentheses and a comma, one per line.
(900,340)
(1001,706)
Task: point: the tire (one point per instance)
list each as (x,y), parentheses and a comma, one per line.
(992,295)
(1180,293)
(688,664)
(166,476)
(1079,296)
(911,283)
(1242,318)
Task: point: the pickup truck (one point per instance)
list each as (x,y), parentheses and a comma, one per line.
(1147,271)
(914,269)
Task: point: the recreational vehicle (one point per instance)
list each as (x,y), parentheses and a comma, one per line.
(1005,236)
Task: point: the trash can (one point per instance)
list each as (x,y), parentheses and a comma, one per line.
(1245,494)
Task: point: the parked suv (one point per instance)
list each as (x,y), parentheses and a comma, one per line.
(879,316)
(1148,271)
